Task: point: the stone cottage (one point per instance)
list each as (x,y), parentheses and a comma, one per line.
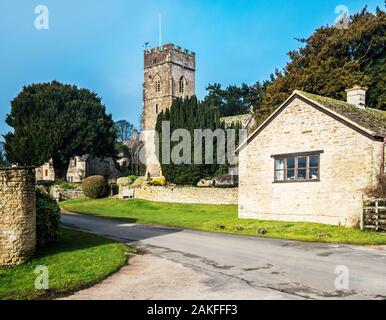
(312,160)
(45,172)
(81,167)
(85,166)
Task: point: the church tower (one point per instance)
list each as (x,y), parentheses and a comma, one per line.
(169,73)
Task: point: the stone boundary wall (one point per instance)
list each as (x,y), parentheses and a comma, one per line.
(188,194)
(17,215)
(61,195)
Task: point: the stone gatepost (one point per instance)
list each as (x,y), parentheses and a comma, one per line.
(17,215)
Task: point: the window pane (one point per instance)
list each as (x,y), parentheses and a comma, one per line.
(314,161)
(279,164)
(291,174)
(314,173)
(279,175)
(302,174)
(291,163)
(302,162)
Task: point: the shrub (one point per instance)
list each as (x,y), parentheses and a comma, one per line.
(64,185)
(47,218)
(379,190)
(95,187)
(133,177)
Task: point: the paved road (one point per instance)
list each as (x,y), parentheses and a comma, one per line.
(265,268)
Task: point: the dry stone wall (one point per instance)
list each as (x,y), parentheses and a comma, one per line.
(17,215)
(188,194)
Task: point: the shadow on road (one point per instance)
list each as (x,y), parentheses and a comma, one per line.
(115,229)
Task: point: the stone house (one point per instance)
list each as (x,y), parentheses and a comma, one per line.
(81,167)
(312,160)
(85,166)
(131,160)
(45,172)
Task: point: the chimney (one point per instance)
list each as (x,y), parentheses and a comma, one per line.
(357,96)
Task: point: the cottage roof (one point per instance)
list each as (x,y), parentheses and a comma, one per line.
(372,119)
(371,122)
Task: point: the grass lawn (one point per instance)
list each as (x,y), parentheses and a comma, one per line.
(215,217)
(75,261)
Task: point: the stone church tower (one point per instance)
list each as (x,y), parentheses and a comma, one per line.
(169,73)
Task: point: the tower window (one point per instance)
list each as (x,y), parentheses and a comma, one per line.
(182,85)
(158,86)
(156,108)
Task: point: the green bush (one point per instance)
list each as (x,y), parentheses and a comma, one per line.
(47,218)
(64,185)
(95,187)
(133,177)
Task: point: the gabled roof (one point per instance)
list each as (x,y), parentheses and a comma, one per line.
(368,121)
(372,119)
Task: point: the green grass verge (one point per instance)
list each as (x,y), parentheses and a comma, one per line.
(212,217)
(77,260)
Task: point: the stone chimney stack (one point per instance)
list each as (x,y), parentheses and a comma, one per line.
(357,96)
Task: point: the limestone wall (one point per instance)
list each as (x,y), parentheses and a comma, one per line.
(61,195)
(188,194)
(17,215)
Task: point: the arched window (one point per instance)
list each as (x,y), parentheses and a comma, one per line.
(157,83)
(158,86)
(156,108)
(181,85)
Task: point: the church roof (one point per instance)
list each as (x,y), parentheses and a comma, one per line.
(368,121)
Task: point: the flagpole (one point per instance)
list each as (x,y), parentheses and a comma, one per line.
(159,29)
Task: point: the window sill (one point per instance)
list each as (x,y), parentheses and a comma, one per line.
(295,181)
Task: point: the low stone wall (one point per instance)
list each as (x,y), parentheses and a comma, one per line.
(17,215)
(188,194)
(61,195)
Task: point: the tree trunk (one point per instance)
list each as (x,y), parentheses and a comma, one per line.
(60,168)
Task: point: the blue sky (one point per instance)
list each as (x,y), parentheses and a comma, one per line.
(98,44)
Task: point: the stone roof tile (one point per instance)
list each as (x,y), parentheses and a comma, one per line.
(368,118)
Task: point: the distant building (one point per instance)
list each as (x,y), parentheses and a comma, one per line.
(81,167)
(131,160)
(247,121)
(85,166)
(45,172)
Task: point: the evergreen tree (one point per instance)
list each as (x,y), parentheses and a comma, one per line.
(58,121)
(332,60)
(234,100)
(190,114)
